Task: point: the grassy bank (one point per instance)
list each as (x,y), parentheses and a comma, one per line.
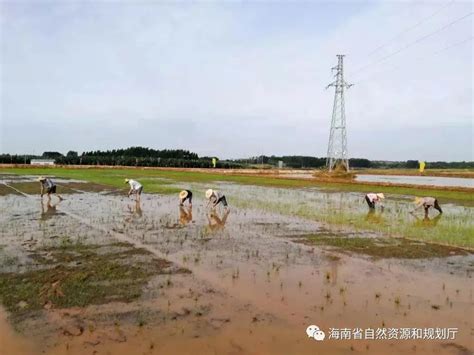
(462,173)
(158,181)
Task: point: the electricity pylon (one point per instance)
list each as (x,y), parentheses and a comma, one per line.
(337,156)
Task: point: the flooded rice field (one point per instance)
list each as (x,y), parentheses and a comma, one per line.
(418,180)
(99,273)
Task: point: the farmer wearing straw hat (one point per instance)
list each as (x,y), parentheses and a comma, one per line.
(185,195)
(135,188)
(215,197)
(427,203)
(48,187)
(372,199)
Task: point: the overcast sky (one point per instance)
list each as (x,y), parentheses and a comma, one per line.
(237,79)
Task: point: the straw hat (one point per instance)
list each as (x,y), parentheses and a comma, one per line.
(41,178)
(380,196)
(183,194)
(127,180)
(209,193)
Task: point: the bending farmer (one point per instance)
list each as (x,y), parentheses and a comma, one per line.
(48,187)
(372,199)
(185,195)
(135,188)
(215,197)
(427,203)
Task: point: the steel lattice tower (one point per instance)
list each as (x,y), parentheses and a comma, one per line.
(337,156)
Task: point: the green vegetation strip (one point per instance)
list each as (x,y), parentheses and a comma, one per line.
(76,275)
(114,178)
(382,248)
(451,230)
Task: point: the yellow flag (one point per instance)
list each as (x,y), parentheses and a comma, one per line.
(422,166)
(214,161)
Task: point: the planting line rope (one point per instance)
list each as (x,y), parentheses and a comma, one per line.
(85,192)
(15,189)
(198,274)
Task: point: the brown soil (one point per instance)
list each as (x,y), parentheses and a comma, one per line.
(383,247)
(5,190)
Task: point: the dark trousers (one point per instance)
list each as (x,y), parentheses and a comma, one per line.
(51,190)
(436,206)
(370,203)
(189,197)
(223,200)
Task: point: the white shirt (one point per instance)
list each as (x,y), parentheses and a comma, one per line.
(47,183)
(373,197)
(426,202)
(216,195)
(135,185)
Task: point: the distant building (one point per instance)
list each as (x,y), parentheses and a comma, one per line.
(42,162)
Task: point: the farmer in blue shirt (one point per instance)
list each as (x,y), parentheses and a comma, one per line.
(48,187)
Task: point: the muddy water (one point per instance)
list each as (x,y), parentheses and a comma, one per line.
(252,289)
(418,180)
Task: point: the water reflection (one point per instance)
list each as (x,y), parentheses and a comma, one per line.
(374,217)
(426,221)
(185,215)
(216,221)
(48,209)
(135,211)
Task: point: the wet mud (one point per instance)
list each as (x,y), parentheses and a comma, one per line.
(382,247)
(105,274)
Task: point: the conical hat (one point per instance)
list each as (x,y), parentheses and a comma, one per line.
(41,178)
(381,196)
(209,193)
(127,180)
(183,194)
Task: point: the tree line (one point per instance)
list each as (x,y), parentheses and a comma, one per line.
(309,162)
(147,157)
(133,156)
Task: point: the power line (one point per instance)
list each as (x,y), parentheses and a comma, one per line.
(423,57)
(453,45)
(411,27)
(413,43)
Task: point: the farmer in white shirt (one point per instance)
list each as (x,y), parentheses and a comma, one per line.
(48,187)
(427,203)
(372,199)
(135,188)
(186,195)
(215,197)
